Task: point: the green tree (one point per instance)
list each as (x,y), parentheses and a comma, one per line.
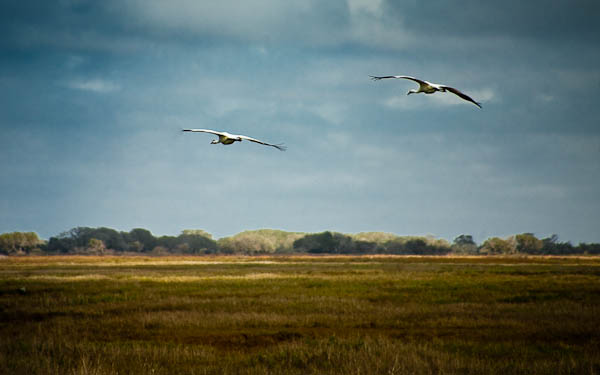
(416,246)
(19,242)
(262,241)
(96,246)
(166,242)
(196,232)
(528,243)
(136,246)
(587,248)
(496,245)
(314,243)
(464,244)
(325,242)
(551,245)
(464,239)
(196,242)
(141,236)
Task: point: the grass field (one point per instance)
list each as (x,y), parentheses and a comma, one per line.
(300,315)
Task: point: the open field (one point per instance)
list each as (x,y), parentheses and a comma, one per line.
(299,315)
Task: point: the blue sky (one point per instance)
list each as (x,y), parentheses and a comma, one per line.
(95,94)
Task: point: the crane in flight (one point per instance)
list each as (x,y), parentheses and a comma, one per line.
(227,138)
(430,88)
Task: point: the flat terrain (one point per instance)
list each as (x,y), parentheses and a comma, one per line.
(300,315)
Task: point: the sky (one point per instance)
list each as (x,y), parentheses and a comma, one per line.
(94,95)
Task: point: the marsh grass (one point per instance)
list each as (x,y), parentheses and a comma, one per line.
(299,315)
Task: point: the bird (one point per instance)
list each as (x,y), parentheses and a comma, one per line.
(227,138)
(430,88)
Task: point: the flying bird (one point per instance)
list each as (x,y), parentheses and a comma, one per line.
(227,139)
(430,88)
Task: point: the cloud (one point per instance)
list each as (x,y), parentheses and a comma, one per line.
(577,80)
(557,19)
(122,26)
(258,21)
(94,85)
(359,153)
(546,98)
(75,61)
(369,6)
(331,112)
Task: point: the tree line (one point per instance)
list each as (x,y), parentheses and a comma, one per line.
(99,241)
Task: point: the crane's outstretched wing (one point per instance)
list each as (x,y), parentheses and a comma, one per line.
(280,147)
(461,95)
(204,131)
(377,78)
(422,84)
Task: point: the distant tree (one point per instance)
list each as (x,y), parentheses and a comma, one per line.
(60,244)
(80,235)
(377,237)
(464,239)
(373,242)
(496,245)
(528,243)
(78,238)
(262,241)
(421,246)
(96,246)
(416,246)
(182,248)
(396,246)
(143,237)
(159,250)
(365,247)
(551,245)
(588,248)
(113,239)
(315,243)
(135,246)
(196,242)
(167,242)
(196,232)
(248,242)
(343,244)
(325,242)
(19,242)
(464,244)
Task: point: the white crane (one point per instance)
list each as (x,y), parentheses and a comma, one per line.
(430,88)
(227,139)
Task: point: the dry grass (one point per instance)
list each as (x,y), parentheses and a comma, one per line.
(299,315)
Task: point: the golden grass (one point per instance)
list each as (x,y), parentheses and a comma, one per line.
(300,315)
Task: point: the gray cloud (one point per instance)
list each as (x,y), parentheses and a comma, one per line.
(134,25)
(95,94)
(539,19)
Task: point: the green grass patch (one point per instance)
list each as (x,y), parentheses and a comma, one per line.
(299,315)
